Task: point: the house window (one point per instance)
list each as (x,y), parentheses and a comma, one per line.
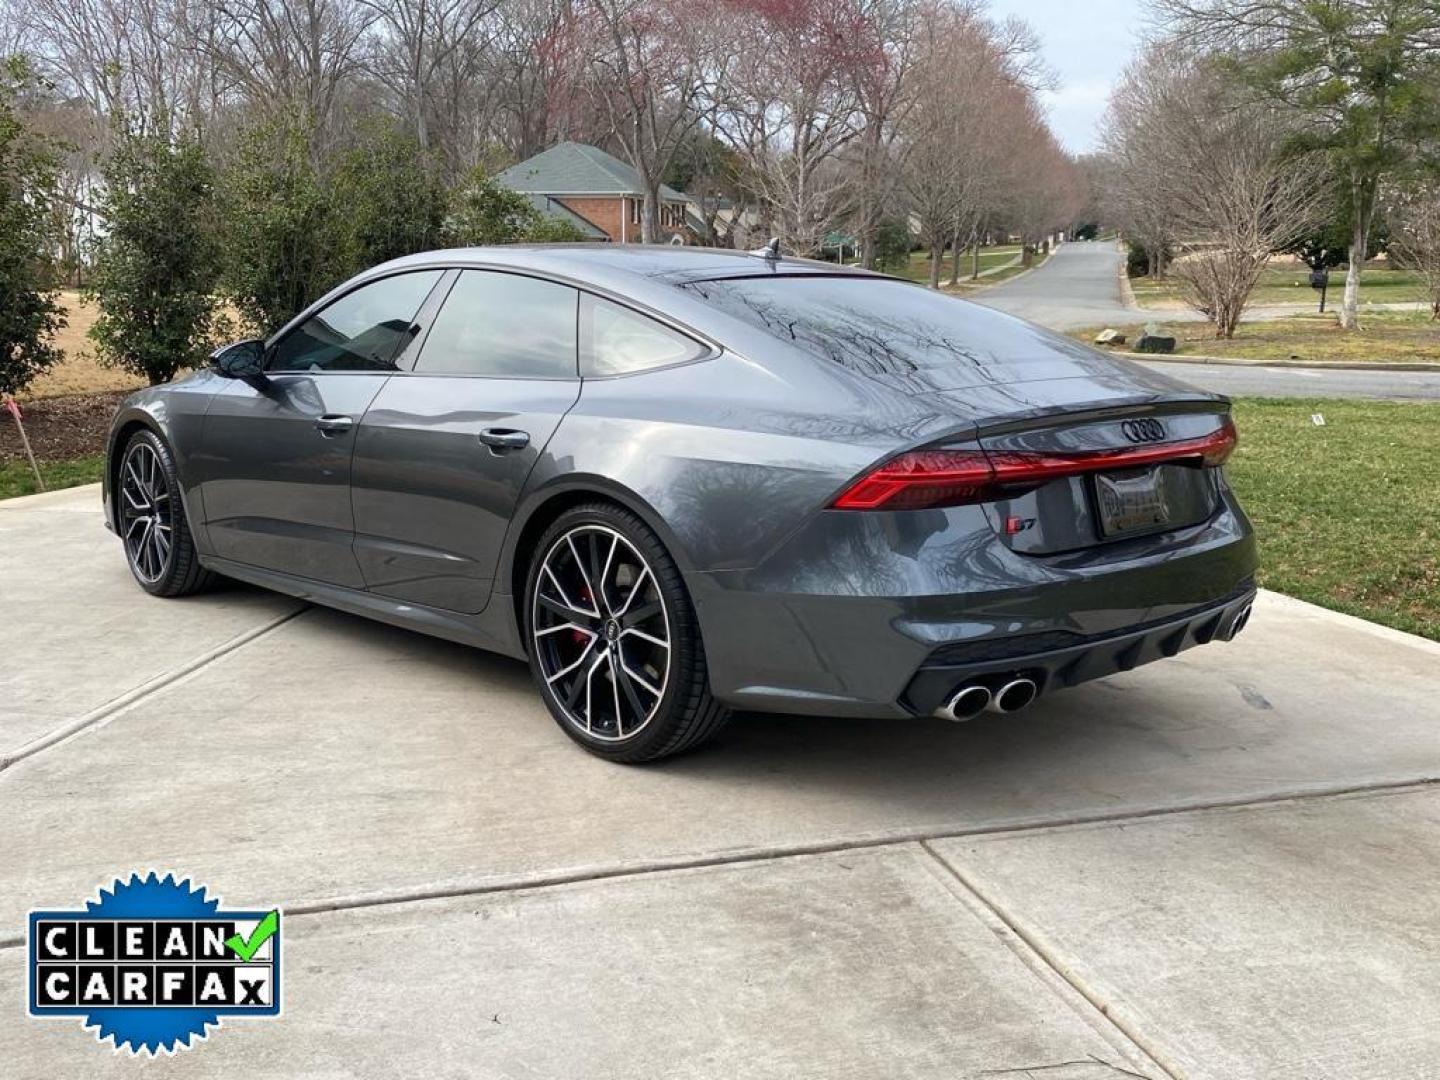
(634,211)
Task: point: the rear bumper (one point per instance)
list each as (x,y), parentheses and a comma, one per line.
(1053,665)
(881,615)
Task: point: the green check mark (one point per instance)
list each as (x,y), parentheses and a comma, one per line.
(246,948)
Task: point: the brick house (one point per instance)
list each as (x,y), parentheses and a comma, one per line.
(595,191)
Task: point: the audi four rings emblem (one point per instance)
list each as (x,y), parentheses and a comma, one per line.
(1143,430)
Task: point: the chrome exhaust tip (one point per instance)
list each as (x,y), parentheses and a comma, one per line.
(965,704)
(1241,620)
(1014,696)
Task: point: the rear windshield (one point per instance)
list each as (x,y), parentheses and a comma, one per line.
(877,326)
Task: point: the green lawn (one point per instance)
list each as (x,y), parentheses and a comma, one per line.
(1290,284)
(918,268)
(1348,514)
(1389,336)
(17,479)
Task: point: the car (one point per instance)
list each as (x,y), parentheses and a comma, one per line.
(680,482)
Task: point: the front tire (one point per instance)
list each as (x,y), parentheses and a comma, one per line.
(614,644)
(150,518)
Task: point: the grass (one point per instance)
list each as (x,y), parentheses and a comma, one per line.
(1389,336)
(79,372)
(17,479)
(1348,514)
(1289,283)
(918,269)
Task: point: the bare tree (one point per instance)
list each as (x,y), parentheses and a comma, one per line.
(1414,217)
(430,52)
(1357,76)
(789,111)
(951,150)
(1235,197)
(887,36)
(653,68)
(292,54)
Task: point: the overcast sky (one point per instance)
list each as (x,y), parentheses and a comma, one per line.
(1087,43)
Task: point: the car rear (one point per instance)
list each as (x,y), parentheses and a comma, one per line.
(1070,520)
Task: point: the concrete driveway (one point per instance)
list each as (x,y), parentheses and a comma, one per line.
(1219,866)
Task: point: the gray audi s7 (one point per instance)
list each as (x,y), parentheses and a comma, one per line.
(682,481)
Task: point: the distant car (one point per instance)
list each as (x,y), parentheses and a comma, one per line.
(682,481)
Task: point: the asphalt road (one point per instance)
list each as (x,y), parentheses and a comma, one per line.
(1080,286)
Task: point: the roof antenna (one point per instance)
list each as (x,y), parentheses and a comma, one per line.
(770,251)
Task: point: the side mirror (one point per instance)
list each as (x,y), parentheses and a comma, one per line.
(242,360)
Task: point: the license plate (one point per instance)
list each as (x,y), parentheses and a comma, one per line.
(1132,501)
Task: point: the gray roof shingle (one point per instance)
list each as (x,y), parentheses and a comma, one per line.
(571,168)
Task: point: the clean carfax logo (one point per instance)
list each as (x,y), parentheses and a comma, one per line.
(153,963)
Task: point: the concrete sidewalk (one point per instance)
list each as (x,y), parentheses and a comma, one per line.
(1217,866)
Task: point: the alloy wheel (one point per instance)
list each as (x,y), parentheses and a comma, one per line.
(601,632)
(146,512)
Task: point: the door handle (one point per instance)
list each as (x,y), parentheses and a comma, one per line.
(330,424)
(502,439)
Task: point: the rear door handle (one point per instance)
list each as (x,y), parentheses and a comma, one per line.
(331,424)
(501,439)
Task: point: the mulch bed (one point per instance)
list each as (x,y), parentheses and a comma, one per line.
(61,428)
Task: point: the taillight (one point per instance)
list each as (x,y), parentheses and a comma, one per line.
(923,479)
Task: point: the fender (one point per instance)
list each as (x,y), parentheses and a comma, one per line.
(175,412)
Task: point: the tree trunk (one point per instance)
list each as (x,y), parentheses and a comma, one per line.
(937,252)
(1362,204)
(955,256)
(975,259)
(650,212)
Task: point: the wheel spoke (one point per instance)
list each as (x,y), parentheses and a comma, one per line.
(577,662)
(641,613)
(645,637)
(626,684)
(634,590)
(615,690)
(584,574)
(555,607)
(565,597)
(563,626)
(605,574)
(654,690)
(589,678)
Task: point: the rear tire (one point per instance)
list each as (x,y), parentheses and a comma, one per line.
(150,517)
(613,641)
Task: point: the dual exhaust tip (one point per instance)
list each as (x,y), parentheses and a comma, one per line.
(1241,620)
(971,700)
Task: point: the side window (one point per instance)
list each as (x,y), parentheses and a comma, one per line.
(362,331)
(620,341)
(505,326)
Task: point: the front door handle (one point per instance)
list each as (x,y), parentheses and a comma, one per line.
(331,424)
(501,439)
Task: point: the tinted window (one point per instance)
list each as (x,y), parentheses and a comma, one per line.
(622,341)
(873,325)
(362,331)
(503,325)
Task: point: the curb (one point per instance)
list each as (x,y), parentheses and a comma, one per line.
(1317,365)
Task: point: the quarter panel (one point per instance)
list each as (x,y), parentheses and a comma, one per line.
(730,457)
